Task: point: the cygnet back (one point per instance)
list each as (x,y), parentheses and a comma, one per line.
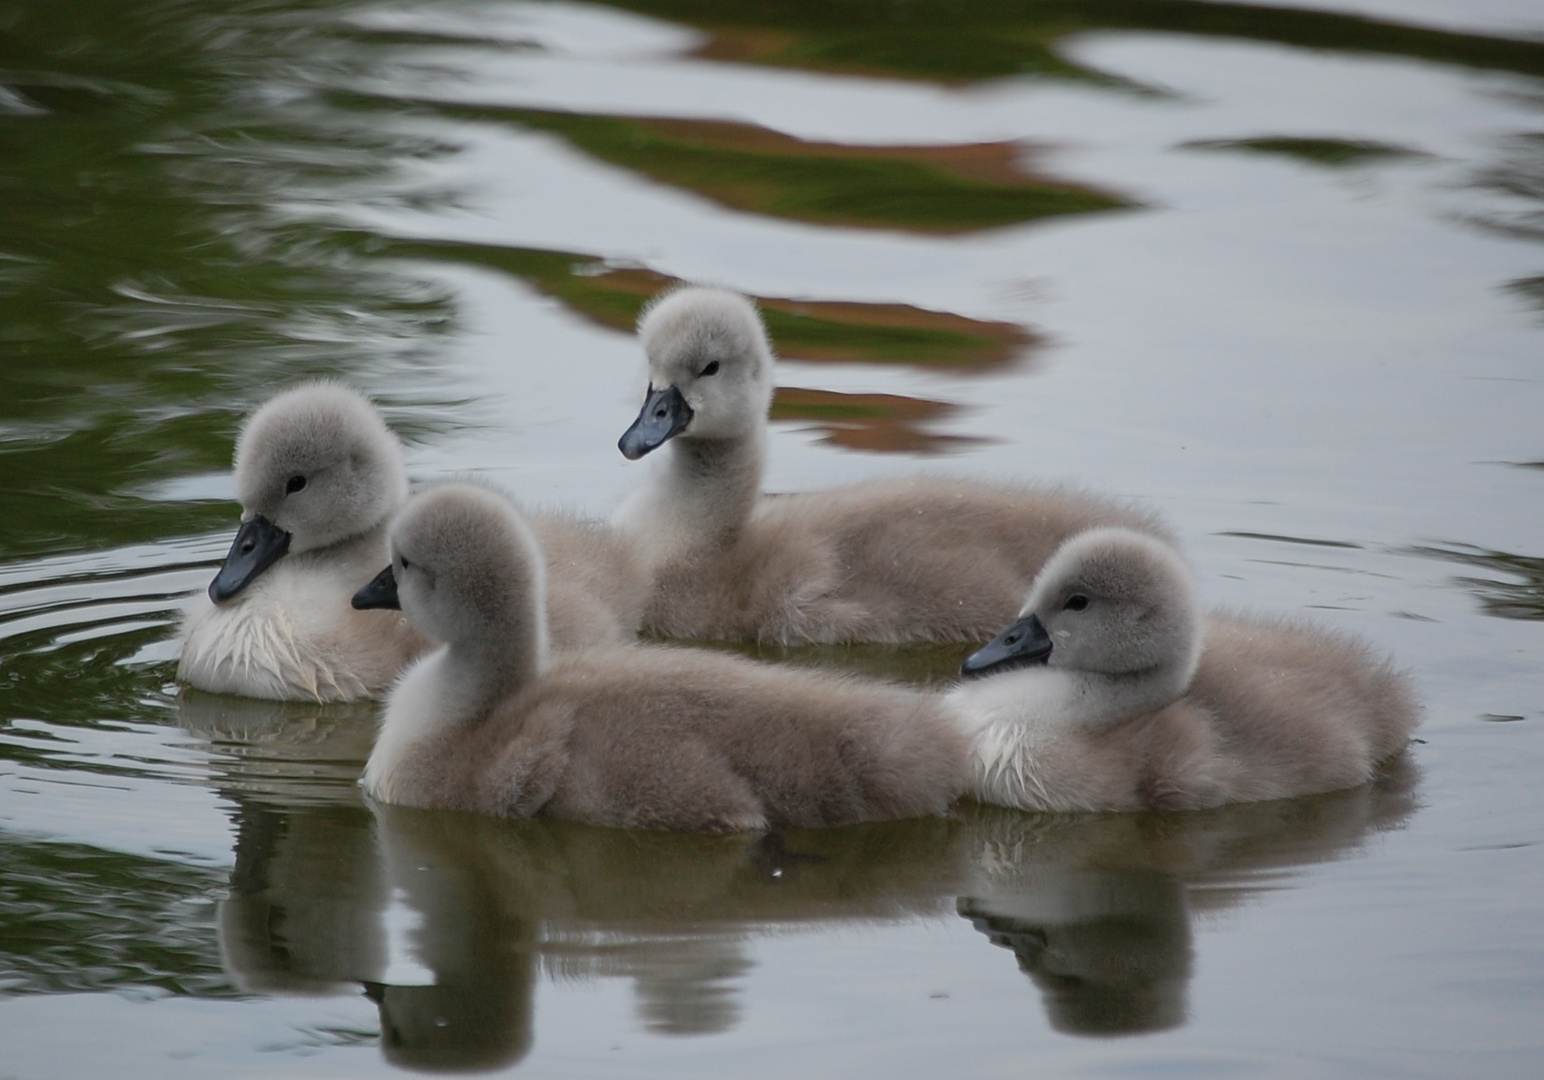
(1102,697)
(638,737)
(912,559)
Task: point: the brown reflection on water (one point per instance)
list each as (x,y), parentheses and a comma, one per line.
(805,330)
(948,41)
(923,189)
(878,423)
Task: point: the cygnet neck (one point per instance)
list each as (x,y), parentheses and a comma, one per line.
(722,475)
(701,498)
(506,651)
(369,545)
(1104,699)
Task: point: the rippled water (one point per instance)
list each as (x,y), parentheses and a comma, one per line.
(1274,272)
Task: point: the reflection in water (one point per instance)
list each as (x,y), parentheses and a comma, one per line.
(943,39)
(1331,152)
(1109,950)
(1519,599)
(929,189)
(806,330)
(1530,289)
(148,294)
(872,422)
(77,919)
(303,913)
(1096,909)
(1519,178)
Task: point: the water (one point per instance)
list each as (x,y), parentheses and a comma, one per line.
(1276,273)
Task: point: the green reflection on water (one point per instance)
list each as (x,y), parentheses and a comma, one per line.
(77,919)
(1331,152)
(917,189)
(952,41)
(148,296)
(813,331)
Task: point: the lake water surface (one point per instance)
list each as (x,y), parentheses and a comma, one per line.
(1277,273)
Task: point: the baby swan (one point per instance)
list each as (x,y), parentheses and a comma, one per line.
(1101,697)
(642,737)
(890,561)
(318,475)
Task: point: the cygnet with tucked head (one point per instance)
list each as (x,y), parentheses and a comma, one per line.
(1102,697)
(318,475)
(897,560)
(644,737)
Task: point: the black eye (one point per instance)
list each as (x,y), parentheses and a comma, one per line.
(405,563)
(711,369)
(1075,602)
(294,485)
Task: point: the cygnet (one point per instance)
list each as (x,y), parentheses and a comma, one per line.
(642,736)
(319,476)
(1102,696)
(890,561)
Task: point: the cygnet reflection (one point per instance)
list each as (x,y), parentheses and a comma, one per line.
(448,922)
(1109,950)
(303,914)
(672,913)
(1097,909)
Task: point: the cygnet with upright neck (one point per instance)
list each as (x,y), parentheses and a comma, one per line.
(1102,697)
(641,736)
(896,560)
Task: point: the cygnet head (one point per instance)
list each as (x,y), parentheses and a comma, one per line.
(710,369)
(467,571)
(1111,601)
(314,466)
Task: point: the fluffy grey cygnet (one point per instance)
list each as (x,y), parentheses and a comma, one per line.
(890,561)
(319,477)
(643,737)
(1102,697)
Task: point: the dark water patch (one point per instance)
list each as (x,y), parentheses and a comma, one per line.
(1531,291)
(1283,539)
(77,919)
(1334,153)
(952,42)
(874,423)
(84,639)
(85,682)
(1518,177)
(149,291)
(926,189)
(1520,598)
(810,331)
(1501,718)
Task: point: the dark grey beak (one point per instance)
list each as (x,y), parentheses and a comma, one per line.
(665,412)
(1022,644)
(258,545)
(380,593)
